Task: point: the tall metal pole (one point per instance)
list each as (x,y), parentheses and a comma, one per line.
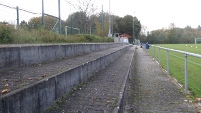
(102,20)
(71,24)
(109,33)
(17,16)
(133,30)
(59,17)
(43,21)
(90,29)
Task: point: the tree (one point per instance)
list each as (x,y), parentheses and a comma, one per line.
(115,23)
(125,25)
(87,8)
(75,20)
(24,24)
(199,28)
(102,27)
(171,34)
(137,27)
(51,23)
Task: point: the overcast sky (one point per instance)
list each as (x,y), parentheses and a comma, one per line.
(155,14)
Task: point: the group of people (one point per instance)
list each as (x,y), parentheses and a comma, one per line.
(146,45)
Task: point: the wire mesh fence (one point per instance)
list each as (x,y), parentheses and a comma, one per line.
(175,63)
(15,15)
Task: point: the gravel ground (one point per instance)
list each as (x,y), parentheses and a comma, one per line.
(100,93)
(152,91)
(17,78)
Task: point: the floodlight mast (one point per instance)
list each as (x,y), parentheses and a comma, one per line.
(109,33)
(43,20)
(134,28)
(59,16)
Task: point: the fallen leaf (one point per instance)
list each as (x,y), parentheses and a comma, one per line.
(30,78)
(6,85)
(44,75)
(108,102)
(4,91)
(5,80)
(198,99)
(16,80)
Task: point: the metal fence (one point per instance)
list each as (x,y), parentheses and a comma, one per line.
(16,15)
(171,59)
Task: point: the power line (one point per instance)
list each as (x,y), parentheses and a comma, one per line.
(7,6)
(28,11)
(19,9)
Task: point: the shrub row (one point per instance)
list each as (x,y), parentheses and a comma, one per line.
(10,35)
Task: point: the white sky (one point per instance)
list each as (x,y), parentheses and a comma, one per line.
(155,14)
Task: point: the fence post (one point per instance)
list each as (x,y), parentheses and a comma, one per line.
(167,61)
(66,31)
(186,73)
(159,55)
(154,53)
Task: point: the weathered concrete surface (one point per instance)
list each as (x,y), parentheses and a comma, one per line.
(152,91)
(102,93)
(62,76)
(25,55)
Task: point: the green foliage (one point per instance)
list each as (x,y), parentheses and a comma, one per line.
(97,24)
(89,38)
(174,35)
(8,34)
(102,26)
(125,25)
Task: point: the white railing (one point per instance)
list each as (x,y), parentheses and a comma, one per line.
(186,54)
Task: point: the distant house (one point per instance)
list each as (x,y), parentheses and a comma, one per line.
(121,38)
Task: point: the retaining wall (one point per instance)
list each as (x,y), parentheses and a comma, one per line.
(39,96)
(25,55)
(120,106)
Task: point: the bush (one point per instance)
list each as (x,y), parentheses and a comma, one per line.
(8,34)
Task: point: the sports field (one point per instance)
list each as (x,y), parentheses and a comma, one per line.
(176,63)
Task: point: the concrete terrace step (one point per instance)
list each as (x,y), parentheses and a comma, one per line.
(102,93)
(20,55)
(34,89)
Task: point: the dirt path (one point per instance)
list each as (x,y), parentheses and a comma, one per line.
(152,91)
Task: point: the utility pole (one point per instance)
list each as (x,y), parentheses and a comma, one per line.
(90,29)
(71,23)
(59,17)
(102,20)
(43,21)
(109,33)
(17,16)
(133,29)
